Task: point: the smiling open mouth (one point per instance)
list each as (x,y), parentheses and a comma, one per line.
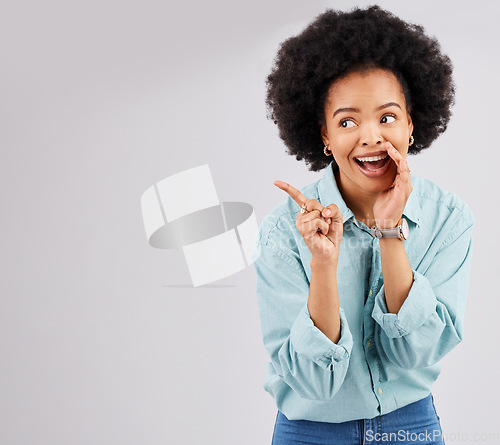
(373,164)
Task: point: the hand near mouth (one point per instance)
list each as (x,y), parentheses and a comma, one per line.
(389,206)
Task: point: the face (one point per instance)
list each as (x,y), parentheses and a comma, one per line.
(364,111)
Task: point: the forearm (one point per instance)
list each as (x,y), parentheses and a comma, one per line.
(396,271)
(323,302)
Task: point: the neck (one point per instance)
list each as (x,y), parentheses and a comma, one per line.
(358,200)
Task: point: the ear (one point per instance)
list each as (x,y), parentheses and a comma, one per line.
(324,132)
(410,124)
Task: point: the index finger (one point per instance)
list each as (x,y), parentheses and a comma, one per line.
(393,153)
(396,156)
(295,194)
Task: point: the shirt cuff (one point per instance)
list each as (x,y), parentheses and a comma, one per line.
(419,305)
(309,341)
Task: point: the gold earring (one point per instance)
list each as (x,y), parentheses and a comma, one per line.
(411,140)
(327,150)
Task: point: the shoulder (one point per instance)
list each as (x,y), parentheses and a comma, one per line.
(434,200)
(443,215)
(280,221)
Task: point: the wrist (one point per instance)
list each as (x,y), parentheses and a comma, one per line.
(387,226)
(386,223)
(323,263)
(390,241)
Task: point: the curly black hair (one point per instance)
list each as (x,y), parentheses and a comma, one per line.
(337,43)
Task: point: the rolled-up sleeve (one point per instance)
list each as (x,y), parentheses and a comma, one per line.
(310,342)
(429,324)
(301,355)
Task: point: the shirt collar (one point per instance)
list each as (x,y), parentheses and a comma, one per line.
(329,193)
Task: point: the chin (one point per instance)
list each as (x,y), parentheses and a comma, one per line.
(377,186)
(371,185)
(381,183)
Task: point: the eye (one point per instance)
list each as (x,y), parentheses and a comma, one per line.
(387,119)
(347,123)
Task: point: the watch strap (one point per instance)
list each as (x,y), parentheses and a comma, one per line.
(387,233)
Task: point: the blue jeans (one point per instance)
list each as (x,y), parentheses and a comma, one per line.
(416,423)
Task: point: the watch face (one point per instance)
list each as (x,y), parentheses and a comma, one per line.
(404,228)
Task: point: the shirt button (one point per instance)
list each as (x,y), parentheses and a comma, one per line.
(370,294)
(380,390)
(368,343)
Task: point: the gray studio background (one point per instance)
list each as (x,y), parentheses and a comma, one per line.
(103,340)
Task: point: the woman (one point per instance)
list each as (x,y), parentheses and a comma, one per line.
(361,276)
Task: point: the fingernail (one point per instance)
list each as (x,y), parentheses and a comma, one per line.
(327,212)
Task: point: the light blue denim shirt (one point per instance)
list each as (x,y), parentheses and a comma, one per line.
(382,361)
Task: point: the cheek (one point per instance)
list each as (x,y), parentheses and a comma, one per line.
(342,146)
(341,155)
(343,142)
(399,137)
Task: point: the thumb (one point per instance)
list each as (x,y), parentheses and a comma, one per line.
(335,222)
(332,212)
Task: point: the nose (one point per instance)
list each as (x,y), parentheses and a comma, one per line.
(370,136)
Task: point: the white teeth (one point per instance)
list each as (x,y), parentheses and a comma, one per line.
(371,159)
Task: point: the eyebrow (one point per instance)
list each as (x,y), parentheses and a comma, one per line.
(356,110)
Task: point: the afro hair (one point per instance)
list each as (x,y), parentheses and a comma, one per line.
(337,43)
